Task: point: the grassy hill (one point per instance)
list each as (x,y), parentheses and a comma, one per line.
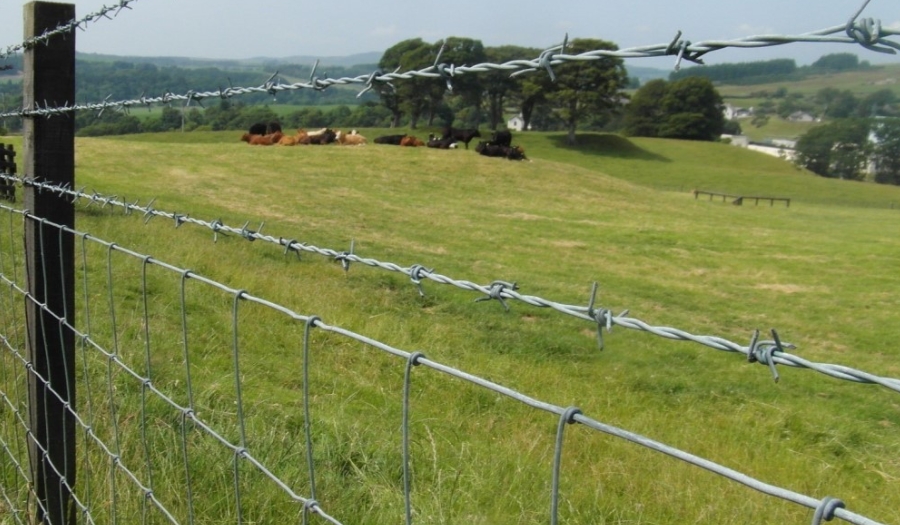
(612,210)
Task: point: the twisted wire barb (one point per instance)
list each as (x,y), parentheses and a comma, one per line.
(766,352)
(868,33)
(63,29)
(826,508)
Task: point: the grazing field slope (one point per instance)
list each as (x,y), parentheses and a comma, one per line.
(611,210)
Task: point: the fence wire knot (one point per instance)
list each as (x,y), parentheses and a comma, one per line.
(826,508)
(289,246)
(496,292)
(763,352)
(344,257)
(416,273)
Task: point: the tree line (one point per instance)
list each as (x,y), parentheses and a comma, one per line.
(852,148)
(776,70)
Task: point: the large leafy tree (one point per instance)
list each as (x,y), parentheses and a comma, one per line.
(587,89)
(468,89)
(407,96)
(839,149)
(689,108)
(693,109)
(644,113)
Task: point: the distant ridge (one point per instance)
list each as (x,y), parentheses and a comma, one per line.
(343,61)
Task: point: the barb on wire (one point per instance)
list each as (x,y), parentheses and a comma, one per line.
(63,29)
(768,352)
(869,33)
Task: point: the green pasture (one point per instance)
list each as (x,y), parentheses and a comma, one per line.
(860,82)
(619,212)
(776,128)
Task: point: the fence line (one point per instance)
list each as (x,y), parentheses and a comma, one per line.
(868,33)
(63,29)
(826,508)
(765,352)
(18,439)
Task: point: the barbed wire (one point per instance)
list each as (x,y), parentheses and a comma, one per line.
(64,29)
(868,33)
(766,352)
(825,509)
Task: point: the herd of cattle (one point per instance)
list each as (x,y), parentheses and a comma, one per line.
(500,144)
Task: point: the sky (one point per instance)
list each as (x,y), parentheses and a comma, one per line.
(236,29)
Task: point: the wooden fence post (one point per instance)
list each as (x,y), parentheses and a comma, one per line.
(49,156)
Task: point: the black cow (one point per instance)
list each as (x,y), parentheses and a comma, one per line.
(258,129)
(489,149)
(442,143)
(273,127)
(461,135)
(389,139)
(327,137)
(502,138)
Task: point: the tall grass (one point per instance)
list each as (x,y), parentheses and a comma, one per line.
(611,210)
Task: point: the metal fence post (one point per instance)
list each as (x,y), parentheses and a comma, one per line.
(49,155)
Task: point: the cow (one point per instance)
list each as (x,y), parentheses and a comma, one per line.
(326,137)
(258,129)
(501,138)
(461,135)
(442,143)
(273,127)
(411,141)
(488,149)
(390,139)
(351,139)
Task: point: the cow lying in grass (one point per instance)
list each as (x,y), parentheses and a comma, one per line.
(489,149)
(411,141)
(262,140)
(393,140)
(442,143)
(351,139)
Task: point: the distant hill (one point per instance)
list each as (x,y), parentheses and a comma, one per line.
(246,63)
(646,74)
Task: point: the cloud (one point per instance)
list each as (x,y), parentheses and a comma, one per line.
(894,25)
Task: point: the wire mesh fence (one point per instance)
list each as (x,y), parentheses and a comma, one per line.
(176,422)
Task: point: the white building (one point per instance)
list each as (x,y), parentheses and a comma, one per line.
(517,123)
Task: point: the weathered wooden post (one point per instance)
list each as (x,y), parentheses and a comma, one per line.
(49,155)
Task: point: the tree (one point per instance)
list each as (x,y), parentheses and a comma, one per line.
(467,89)
(838,149)
(532,95)
(499,86)
(886,151)
(587,89)
(689,108)
(397,56)
(644,113)
(694,110)
(837,62)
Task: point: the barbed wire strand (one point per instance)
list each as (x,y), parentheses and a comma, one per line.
(826,508)
(869,33)
(768,352)
(64,29)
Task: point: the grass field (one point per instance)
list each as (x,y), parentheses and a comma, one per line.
(612,210)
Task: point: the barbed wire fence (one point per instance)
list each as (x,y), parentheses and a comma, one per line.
(767,352)
(26,499)
(143,375)
(868,33)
